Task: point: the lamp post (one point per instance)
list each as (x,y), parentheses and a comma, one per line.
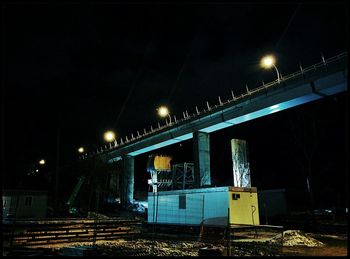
(109,136)
(42,162)
(268,62)
(81,150)
(163,111)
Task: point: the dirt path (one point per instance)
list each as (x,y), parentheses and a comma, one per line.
(334,246)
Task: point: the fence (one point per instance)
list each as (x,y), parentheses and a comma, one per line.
(44,232)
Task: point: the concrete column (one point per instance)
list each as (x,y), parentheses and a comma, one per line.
(127,181)
(201,155)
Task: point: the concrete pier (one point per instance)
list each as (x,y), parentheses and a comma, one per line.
(201,156)
(127,181)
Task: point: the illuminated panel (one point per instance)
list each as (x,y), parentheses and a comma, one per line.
(216,127)
(275,108)
(266,111)
(161,144)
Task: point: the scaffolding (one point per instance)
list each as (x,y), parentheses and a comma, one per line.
(183,176)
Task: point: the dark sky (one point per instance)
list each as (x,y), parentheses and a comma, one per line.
(90,67)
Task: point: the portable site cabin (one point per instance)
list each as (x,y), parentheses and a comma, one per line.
(24,204)
(210,206)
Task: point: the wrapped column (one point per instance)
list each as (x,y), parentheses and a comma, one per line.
(240,163)
(201,155)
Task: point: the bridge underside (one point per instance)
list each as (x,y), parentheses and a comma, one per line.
(283,98)
(272,100)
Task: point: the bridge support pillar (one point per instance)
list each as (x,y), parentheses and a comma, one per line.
(127,181)
(201,155)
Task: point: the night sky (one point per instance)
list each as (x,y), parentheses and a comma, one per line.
(86,68)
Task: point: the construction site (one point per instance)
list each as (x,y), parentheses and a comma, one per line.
(183,215)
(175,129)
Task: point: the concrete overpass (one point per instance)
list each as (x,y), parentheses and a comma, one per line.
(320,80)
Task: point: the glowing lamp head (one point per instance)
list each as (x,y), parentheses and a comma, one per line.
(268,61)
(42,162)
(163,111)
(81,150)
(109,136)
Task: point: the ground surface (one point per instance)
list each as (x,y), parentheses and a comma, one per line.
(318,245)
(334,245)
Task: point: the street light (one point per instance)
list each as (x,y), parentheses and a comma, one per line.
(109,136)
(163,111)
(81,150)
(42,162)
(268,62)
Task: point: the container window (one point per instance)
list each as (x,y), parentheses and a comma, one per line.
(182,201)
(235,196)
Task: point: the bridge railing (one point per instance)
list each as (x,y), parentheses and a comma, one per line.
(302,73)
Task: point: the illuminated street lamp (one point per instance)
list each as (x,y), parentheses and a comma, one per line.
(42,162)
(109,136)
(81,150)
(268,62)
(163,112)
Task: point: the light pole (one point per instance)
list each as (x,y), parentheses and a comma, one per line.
(81,150)
(163,111)
(268,62)
(42,162)
(109,136)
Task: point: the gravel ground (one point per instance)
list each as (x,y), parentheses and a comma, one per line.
(297,238)
(168,247)
(139,247)
(146,246)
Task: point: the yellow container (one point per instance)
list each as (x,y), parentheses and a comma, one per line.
(243,206)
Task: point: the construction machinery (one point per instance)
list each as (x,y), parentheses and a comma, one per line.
(159,167)
(73,196)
